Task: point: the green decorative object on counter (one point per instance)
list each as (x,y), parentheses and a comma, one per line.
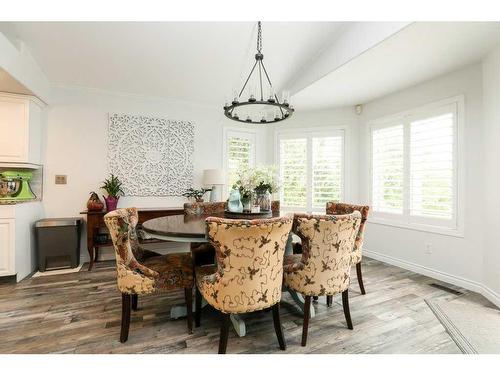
(14,185)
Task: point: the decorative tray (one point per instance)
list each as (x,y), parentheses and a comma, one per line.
(247,215)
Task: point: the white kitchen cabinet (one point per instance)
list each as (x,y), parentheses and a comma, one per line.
(17,238)
(7,246)
(21,119)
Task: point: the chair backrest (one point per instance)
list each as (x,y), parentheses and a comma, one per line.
(275,206)
(132,277)
(335,208)
(327,243)
(249,262)
(204,208)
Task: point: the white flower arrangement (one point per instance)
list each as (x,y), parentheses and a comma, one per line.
(255,180)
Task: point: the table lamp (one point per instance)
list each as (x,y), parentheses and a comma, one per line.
(213,177)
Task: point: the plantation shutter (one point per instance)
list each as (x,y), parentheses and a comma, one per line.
(432,167)
(293,171)
(387,169)
(240,154)
(327,170)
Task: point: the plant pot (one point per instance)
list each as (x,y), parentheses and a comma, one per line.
(247,204)
(263,199)
(199,200)
(111,203)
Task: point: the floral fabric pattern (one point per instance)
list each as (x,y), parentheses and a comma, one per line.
(333,208)
(249,272)
(204,208)
(325,264)
(275,206)
(155,272)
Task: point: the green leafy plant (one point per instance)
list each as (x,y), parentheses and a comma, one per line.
(112,186)
(256,180)
(197,194)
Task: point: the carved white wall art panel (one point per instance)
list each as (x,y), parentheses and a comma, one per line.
(152,156)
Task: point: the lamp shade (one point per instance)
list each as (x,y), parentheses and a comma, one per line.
(213,177)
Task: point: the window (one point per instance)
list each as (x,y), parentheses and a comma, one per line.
(414,173)
(293,171)
(387,166)
(311,169)
(240,152)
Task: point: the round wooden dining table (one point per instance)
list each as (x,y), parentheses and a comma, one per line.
(190,228)
(193,228)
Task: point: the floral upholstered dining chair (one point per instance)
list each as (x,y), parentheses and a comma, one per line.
(141,272)
(249,271)
(203,253)
(324,266)
(334,208)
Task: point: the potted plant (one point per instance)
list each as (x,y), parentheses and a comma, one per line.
(267,184)
(256,186)
(112,186)
(197,194)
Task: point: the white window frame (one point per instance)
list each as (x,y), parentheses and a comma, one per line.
(453,227)
(228,132)
(309,135)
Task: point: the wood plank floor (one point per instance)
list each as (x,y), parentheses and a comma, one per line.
(80,313)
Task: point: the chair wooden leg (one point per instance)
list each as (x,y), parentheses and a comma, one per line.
(307,313)
(125,317)
(360,278)
(197,313)
(277,326)
(329,301)
(135,299)
(96,252)
(188,296)
(224,333)
(345,305)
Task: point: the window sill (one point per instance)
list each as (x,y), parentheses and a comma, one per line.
(419,227)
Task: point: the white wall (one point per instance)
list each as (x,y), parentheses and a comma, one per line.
(491,182)
(454,259)
(76,145)
(344,118)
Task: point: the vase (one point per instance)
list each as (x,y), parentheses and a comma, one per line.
(247,204)
(263,199)
(111,203)
(234,201)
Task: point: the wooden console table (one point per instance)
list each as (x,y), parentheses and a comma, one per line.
(95,222)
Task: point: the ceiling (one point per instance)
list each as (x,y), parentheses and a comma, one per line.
(195,61)
(419,52)
(10,84)
(206,62)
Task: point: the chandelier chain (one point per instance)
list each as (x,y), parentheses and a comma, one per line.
(259,38)
(271,104)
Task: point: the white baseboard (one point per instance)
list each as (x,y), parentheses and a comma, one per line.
(436,274)
(491,295)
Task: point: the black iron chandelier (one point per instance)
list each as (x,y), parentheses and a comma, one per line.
(267,110)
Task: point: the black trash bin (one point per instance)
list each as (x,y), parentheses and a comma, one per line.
(58,243)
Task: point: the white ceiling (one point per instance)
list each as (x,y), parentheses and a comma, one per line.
(419,52)
(206,61)
(194,61)
(10,84)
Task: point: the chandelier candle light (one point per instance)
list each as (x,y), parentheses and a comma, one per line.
(280,110)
